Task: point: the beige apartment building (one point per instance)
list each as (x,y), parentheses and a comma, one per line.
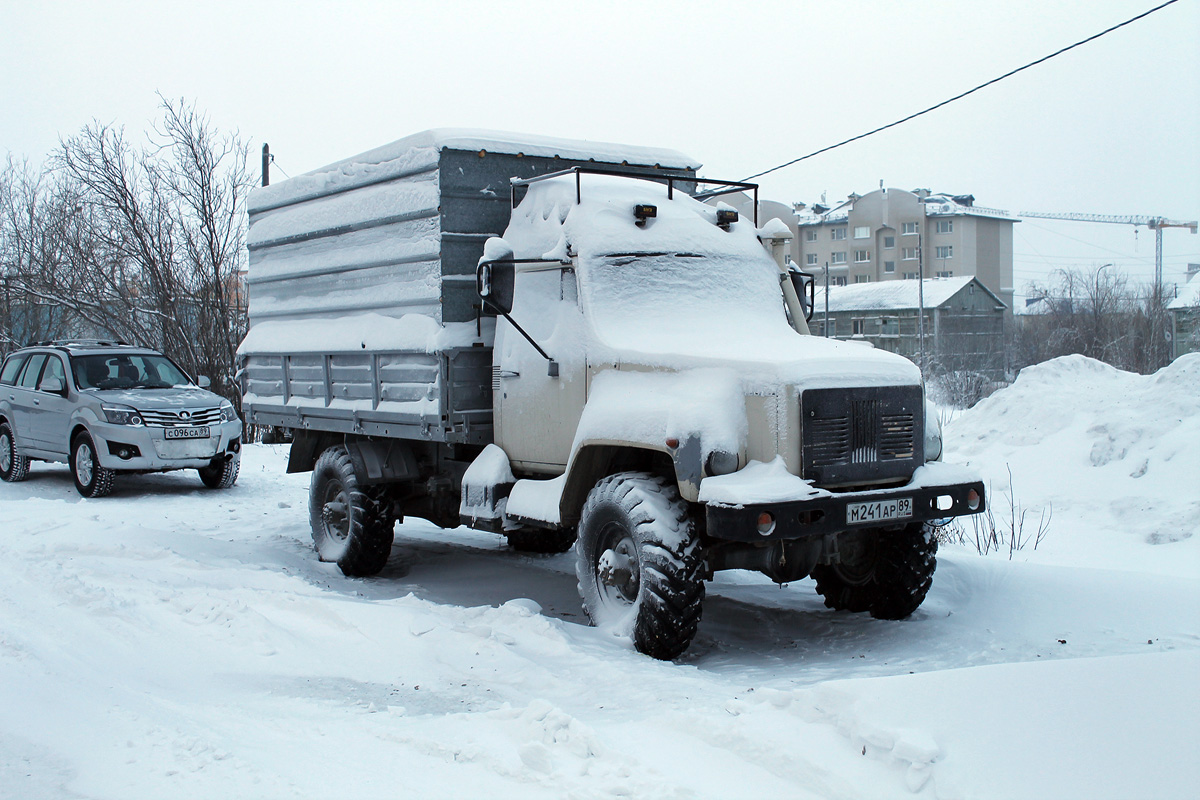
(893,234)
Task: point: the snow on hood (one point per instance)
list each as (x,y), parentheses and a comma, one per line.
(681,292)
(179,397)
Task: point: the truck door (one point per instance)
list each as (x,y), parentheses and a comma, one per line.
(536,414)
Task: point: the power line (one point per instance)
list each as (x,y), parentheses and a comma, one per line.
(964,94)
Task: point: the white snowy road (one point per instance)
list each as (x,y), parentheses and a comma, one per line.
(170,641)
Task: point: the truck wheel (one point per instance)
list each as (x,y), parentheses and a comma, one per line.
(886,573)
(13,466)
(541,540)
(91,479)
(221,475)
(345,525)
(639,563)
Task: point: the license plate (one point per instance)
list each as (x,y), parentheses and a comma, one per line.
(187,433)
(879,511)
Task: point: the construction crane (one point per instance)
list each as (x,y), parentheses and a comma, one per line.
(1155,224)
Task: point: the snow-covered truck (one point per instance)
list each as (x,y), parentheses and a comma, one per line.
(561,342)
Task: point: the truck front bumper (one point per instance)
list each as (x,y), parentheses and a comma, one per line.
(836,512)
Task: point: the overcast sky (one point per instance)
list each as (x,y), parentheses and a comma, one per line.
(1112,127)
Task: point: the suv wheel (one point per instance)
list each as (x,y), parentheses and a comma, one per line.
(222,474)
(13,466)
(91,479)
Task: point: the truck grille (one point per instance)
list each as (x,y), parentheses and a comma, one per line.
(171,419)
(861,436)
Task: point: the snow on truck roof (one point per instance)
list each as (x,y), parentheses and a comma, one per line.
(420,151)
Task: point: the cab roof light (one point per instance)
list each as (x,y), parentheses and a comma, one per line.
(644,212)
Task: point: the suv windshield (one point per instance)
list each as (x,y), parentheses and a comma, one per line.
(122,371)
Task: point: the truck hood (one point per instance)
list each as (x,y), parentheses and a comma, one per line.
(172,399)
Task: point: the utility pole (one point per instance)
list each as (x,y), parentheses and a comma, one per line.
(826,299)
(266,165)
(921,302)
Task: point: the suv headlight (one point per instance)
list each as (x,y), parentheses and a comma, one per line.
(227,412)
(122,415)
(933,433)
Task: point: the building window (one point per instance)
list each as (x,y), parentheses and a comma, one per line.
(945,226)
(889,266)
(839,281)
(909,254)
(862,256)
(945,251)
(908,228)
(810,236)
(862,278)
(858,326)
(810,259)
(946,274)
(838,258)
(832,330)
(889,326)
(837,234)
(889,242)
(910,276)
(862,232)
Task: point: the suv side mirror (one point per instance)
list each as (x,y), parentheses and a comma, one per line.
(496,283)
(203,382)
(53,384)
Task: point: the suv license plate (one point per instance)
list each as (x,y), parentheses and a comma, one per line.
(879,511)
(187,433)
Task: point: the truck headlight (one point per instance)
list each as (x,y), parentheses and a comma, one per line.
(720,462)
(121,415)
(933,433)
(227,412)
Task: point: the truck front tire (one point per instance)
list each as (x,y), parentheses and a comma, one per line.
(887,573)
(346,526)
(639,563)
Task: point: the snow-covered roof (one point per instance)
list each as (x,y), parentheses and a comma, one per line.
(1189,294)
(889,295)
(420,151)
(944,205)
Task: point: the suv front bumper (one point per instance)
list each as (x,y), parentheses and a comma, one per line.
(936,493)
(154,452)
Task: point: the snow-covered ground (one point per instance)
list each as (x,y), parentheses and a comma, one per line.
(172,642)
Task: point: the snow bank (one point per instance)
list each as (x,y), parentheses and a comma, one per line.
(1103,446)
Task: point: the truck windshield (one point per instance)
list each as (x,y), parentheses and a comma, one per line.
(127,372)
(683,302)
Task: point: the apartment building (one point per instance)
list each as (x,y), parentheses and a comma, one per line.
(892,234)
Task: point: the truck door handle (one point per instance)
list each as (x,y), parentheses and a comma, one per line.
(508,373)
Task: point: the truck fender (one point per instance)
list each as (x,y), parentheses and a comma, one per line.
(382,461)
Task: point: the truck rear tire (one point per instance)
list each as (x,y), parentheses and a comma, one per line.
(540,540)
(346,526)
(639,563)
(888,573)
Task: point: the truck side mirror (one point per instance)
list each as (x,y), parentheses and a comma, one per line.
(805,285)
(496,283)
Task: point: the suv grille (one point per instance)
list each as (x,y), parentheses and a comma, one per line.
(861,436)
(171,419)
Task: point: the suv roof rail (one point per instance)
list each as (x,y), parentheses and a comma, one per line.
(81,342)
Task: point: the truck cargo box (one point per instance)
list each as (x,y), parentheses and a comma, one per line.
(363,310)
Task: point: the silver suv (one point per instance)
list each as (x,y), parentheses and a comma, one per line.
(108,407)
